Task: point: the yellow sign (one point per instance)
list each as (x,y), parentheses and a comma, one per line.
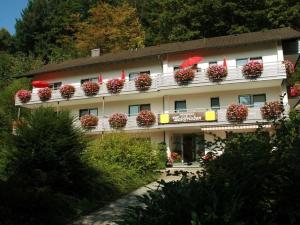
(187,117)
(164,118)
(210,116)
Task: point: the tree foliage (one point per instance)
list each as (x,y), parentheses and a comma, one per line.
(110,28)
(6,41)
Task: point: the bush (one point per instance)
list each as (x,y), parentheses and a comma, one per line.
(184,76)
(90,88)
(255,181)
(44,94)
(216,73)
(252,70)
(67,91)
(117,120)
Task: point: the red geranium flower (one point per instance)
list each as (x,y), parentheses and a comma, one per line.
(216,73)
(45,93)
(143,82)
(252,70)
(145,118)
(237,113)
(117,120)
(271,110)
(115,86)
(24,95)
(184,76)
(67,91)
(89,121)
(90,88)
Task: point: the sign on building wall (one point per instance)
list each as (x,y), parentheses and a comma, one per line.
(187,117)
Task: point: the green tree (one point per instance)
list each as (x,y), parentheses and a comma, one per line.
(6,41)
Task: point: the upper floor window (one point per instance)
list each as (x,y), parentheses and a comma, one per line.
(133,75)
(258,59)
(92,111)
(175,68)
(93,79)
(241,62)
(55,85)
(135,109)
(215,103)
(253,100)
(180,106)
(212,63)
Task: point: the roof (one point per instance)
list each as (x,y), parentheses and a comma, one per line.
(205,43)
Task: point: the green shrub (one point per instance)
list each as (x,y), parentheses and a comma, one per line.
(255,181)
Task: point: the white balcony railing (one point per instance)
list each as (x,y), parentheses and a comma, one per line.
(254,115)
(274,70)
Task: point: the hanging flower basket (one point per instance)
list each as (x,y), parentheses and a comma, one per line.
(89,121)
(252,70)
(117,120)
(67,91)
(184,76)
(24,95)
(115,86)
(90,88)
(271,110)
(145,118)
(216,73)
(45,94)
(143,82)
(289,67)
(237,113)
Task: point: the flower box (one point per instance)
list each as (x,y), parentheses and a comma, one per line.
(145,118)
(237,113)
(90,88)
(115,86)
(289,67)
(252,70)
(143,82)
(271,110)
(24,95)
(117,120)
(45,94)
(216,73)
(184,76)
(67,91)
(89,121)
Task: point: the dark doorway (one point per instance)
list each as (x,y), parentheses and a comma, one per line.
(188,147)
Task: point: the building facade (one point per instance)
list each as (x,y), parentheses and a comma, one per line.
(185,115)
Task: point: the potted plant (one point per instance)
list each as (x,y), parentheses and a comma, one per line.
(145,118)
(216,73)
(143,82)
(24,95)
(252,70)
(67,91)
(45,94)
(117,120)
(115,86)
(271,110)
(89,121)
(90,88)
(184,76)
(237,113)
(289,67)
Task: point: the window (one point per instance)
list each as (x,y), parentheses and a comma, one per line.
(180,106)
(241,62)
(93,111)
(212,63)
(133,75)
(55,85)
(215,103)
(259,100)
(258,59)
(93,79)
(175,68)
(135,109)
(253,100)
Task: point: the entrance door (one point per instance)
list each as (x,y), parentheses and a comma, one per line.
(188,146)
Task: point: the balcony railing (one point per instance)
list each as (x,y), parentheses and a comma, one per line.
(254,115)
(274,70)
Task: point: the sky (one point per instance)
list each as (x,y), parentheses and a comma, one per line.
(10,10)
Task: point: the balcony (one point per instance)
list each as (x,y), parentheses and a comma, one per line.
(254,115)
(166,81)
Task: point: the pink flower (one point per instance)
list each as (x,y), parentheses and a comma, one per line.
(67,91)
(252,70)
(143,82)
(237,113)
(45,93)
(117,120)
(145,118)
(24,95)
(89,121)
(216,73)
(90,88)
(184,76)
(115,86)
(289,67)
(271,110)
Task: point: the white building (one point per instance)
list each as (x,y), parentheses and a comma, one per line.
(186,132)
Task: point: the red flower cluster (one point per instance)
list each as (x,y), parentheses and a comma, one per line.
(184,76)
(117,120)
(175,156)
(24,95)
(67,91)
(237,113)
(115,86)
(216,73)
(143,82)
(145,118)
(289,67)
(252,70)
(271,110)
(45,93)
(90,88)
(89,121)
